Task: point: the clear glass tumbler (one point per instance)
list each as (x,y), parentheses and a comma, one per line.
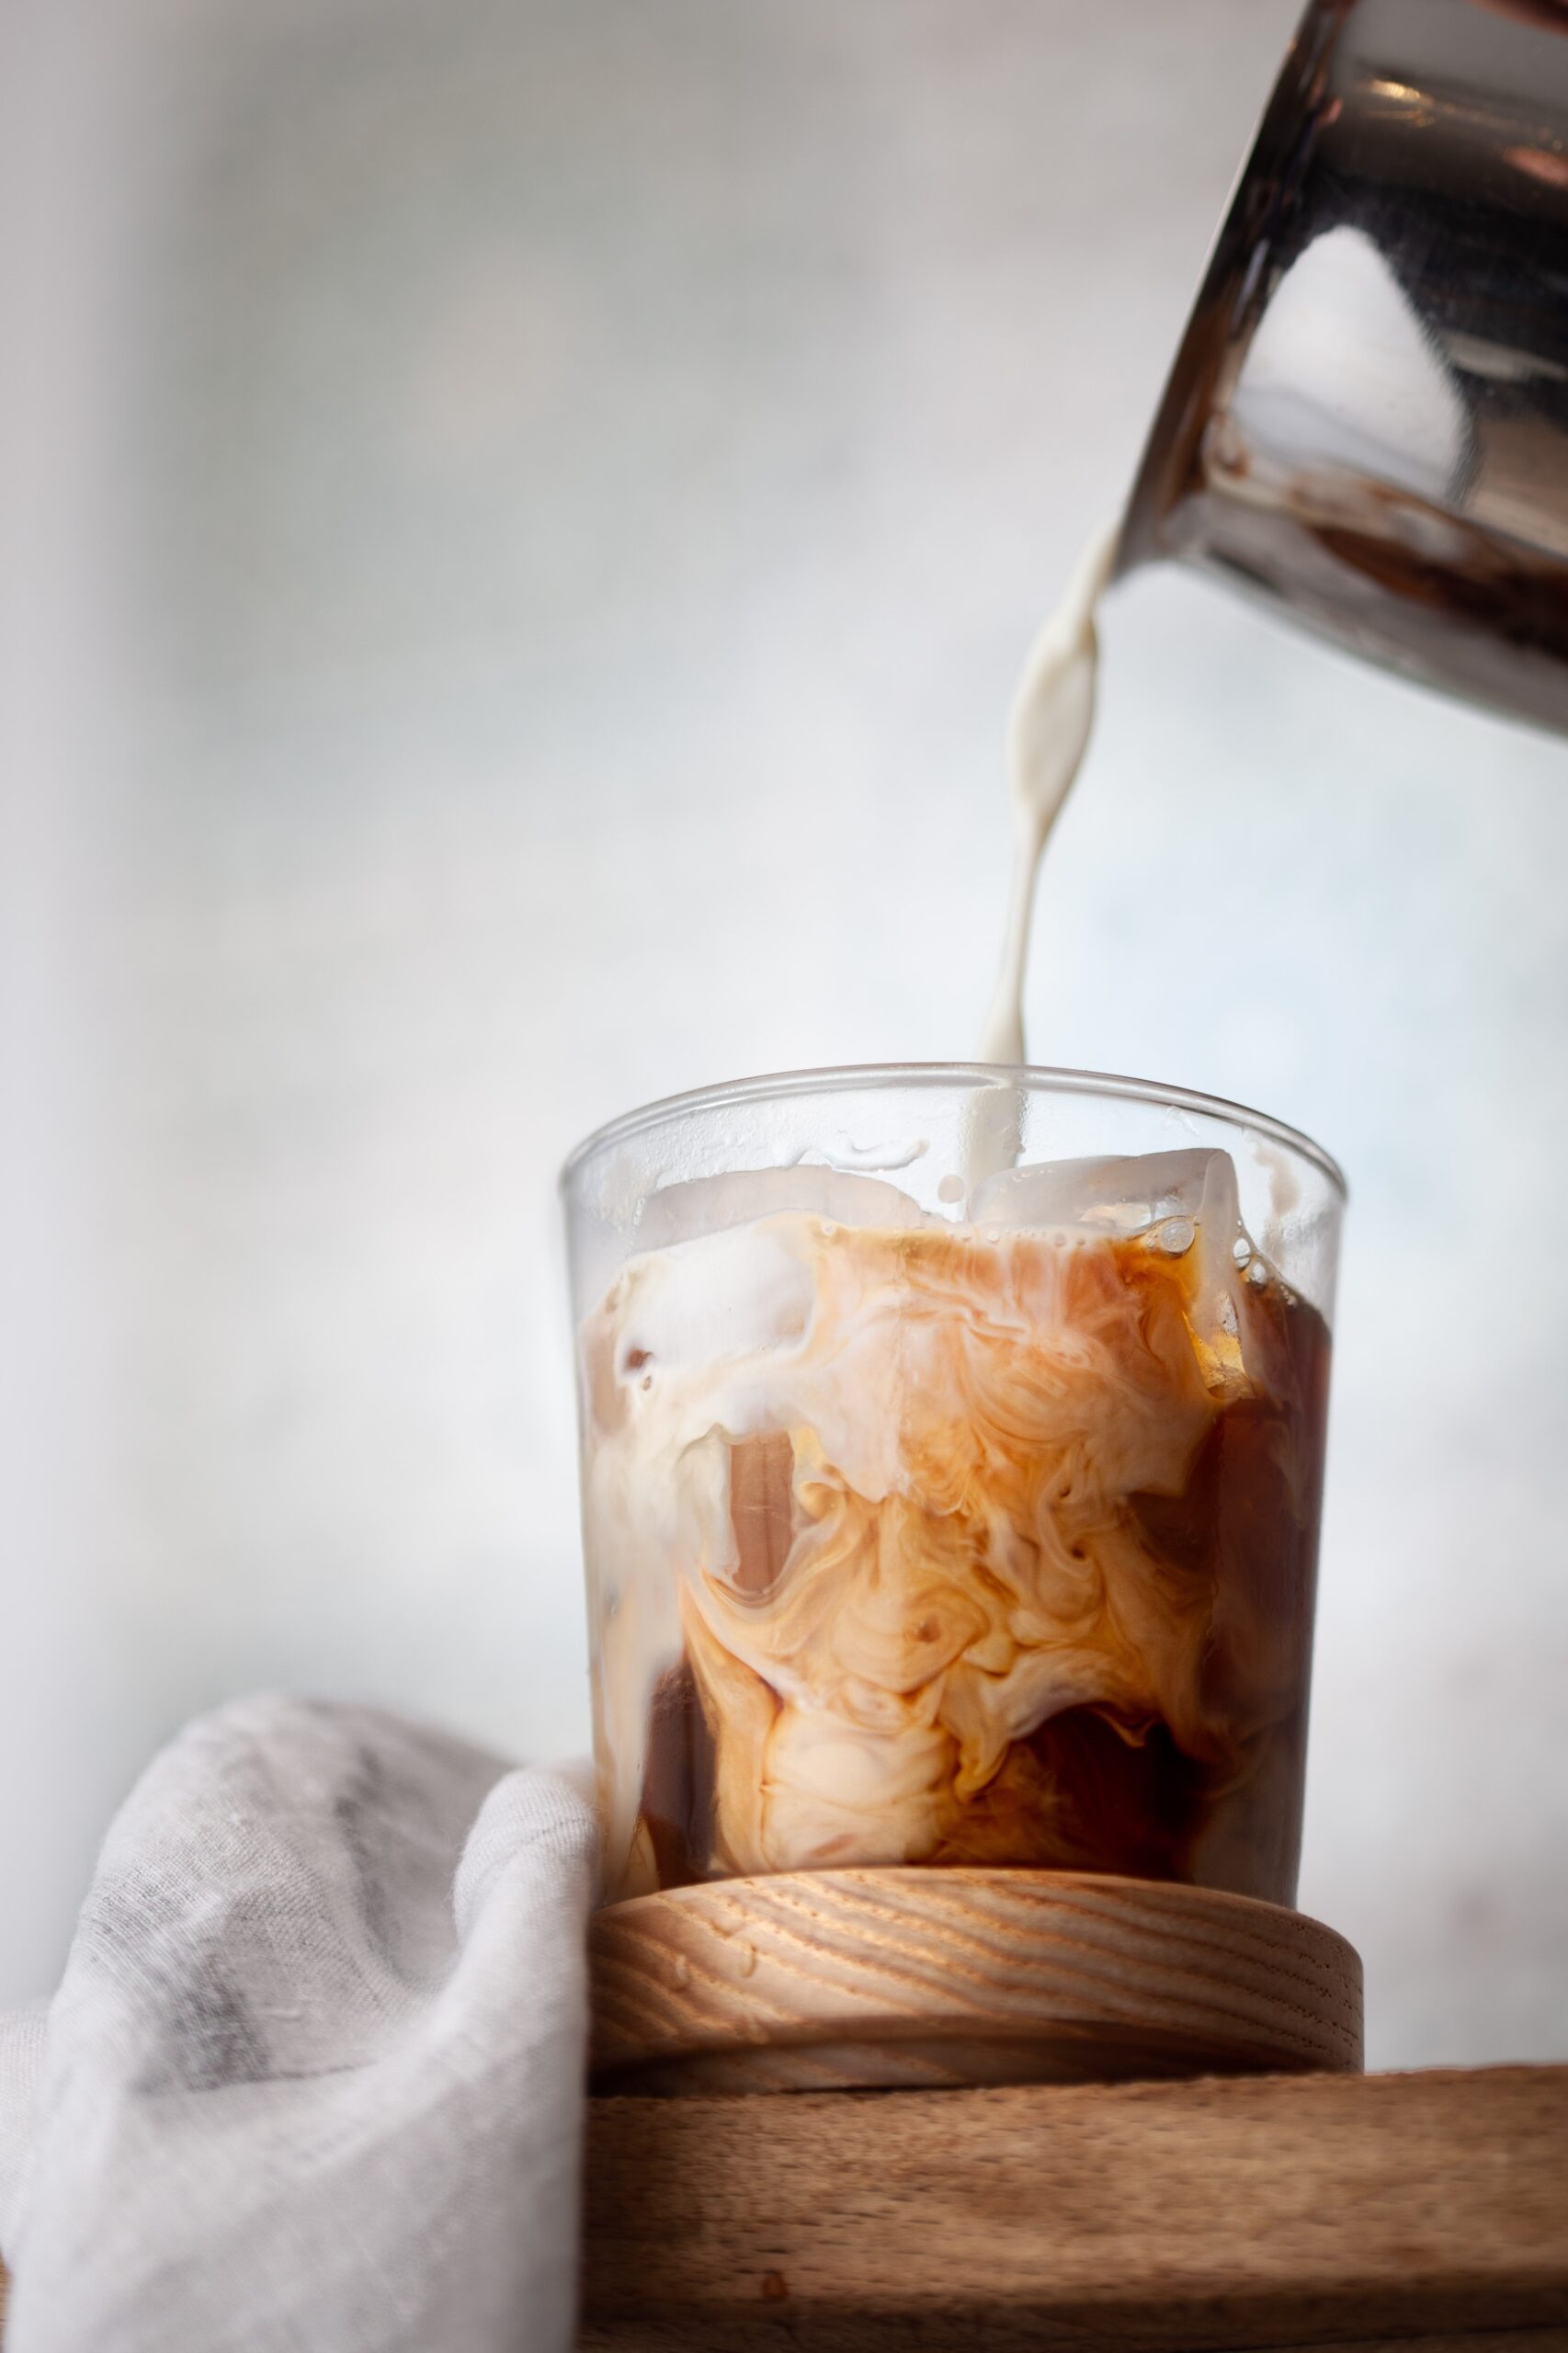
(952,1452)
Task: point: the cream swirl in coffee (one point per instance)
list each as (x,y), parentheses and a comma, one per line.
(919,1543)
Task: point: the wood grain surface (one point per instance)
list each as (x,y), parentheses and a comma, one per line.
(1424,2212)
(1286,2212)
(906,1978)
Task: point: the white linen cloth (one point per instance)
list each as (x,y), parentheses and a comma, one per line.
(313,2077)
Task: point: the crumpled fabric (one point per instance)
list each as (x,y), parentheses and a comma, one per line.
(314,2073)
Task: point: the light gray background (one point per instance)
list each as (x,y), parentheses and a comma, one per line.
(520,524)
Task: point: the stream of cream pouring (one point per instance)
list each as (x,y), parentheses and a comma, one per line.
(1048,735)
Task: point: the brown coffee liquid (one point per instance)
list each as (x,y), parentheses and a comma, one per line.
(1090,1788)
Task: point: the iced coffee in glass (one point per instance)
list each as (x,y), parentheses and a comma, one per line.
(953,1450)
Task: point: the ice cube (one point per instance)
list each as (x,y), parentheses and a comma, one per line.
(1184,1205)
(735,1293)
(707,1204)
(762,1509)
(1128,1194)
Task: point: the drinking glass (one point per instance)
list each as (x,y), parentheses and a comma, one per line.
(953,1446)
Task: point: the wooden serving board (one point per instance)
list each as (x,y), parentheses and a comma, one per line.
(908,1977)
(1428,2212)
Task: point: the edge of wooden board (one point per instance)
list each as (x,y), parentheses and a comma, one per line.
(1254,2211)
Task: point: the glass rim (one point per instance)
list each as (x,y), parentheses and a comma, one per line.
(1041,1078)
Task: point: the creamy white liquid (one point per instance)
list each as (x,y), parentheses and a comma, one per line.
(1048,735)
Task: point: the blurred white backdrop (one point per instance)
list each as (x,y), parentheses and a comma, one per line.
(521,521)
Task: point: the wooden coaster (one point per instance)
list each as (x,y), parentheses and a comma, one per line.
(820,1980)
